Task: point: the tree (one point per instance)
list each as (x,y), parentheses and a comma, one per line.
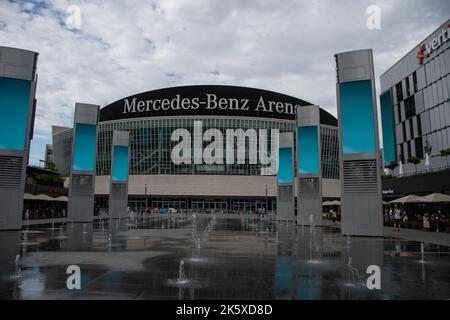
(392,165)
(445,153)
(415,161)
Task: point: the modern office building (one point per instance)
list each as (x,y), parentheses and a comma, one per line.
(48,156)
(62,148)
(415,107)
(153,117)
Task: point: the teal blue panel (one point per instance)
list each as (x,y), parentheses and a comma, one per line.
(387,124)
(358,131)
(308,150)
(285,170)
(84,148)
(120,164)
(14,106)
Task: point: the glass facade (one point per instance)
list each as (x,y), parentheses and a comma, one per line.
(151,145)
(420,99)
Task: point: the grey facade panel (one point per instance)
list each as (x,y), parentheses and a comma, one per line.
(442,116)
(418,98)
(408,131)
(415,128)
(447,113)
(434,97)
(402,111)
(405,150)
(421,79)
(447,61)
(439,91)
(399,133)
(429,98)
(425,120)
(405,94)
(394,95)
(396,119)
(442,62)
(445,88)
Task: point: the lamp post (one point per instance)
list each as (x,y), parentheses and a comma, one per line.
(267,208)
(146,198)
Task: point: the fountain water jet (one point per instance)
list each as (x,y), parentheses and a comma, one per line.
(182,281)
(17,272)
(422,252)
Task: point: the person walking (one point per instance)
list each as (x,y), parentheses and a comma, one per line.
(397,219)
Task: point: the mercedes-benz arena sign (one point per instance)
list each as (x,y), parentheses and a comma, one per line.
(213,100)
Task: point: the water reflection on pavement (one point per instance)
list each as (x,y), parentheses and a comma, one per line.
(237,257)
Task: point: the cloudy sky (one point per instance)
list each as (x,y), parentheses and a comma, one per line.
(98,51)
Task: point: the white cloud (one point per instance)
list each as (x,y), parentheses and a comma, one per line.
(125,47)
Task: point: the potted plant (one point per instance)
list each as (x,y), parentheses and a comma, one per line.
(415,161)
(391,166)
(445,153)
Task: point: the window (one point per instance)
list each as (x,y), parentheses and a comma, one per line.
(408,146)
(398,113)
(411,128)
(410,107)
(404,131)
(401,155)
(399,91)
(415,81)
(419,125)
(408,89)
(419,148)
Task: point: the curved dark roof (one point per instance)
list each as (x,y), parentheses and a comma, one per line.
(247,99)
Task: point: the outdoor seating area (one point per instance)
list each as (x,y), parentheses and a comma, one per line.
(427,213)
(42,206)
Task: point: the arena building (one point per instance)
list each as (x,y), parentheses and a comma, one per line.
(157,181)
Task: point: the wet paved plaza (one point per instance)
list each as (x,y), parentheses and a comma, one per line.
(215,257)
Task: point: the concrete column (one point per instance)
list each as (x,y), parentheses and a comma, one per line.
(118,188)
(17,109)
(285,178)
(360,158)
(82,168)
(309,177)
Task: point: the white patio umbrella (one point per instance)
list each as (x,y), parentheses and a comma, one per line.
(335,203)
(408,199)
(29,196)
(436,197)
(42,197)
(427,161)
(61,199)
(400,168)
